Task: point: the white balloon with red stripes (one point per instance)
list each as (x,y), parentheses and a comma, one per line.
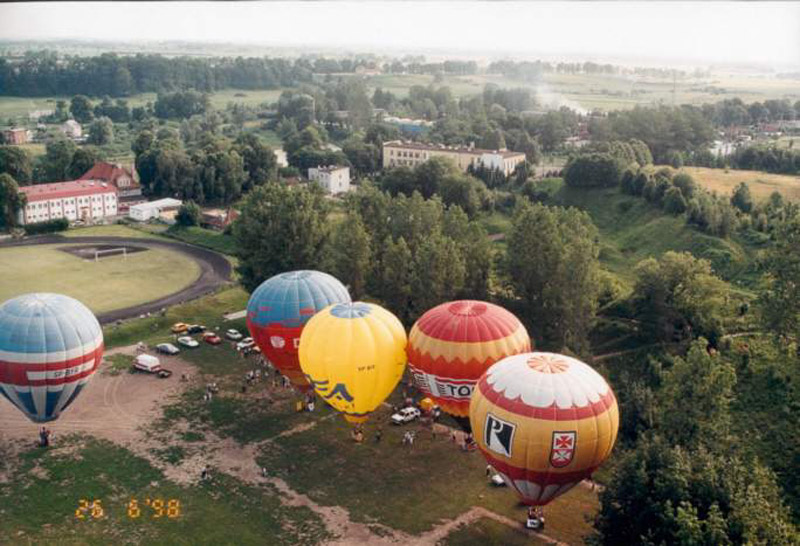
(50,346)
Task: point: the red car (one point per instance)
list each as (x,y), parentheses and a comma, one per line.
(212,338)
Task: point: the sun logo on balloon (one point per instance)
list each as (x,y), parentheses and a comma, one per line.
(548,364)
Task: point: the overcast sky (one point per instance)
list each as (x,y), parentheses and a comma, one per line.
(753,32)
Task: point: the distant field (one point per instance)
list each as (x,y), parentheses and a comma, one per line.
(607,92)
(761,184)
(112,283)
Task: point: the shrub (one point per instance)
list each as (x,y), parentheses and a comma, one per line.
(593,171)
(50,226)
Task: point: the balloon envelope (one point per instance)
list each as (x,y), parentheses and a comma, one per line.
(50,346)
(353,354)
(451,345)
(544,421)
(279,309)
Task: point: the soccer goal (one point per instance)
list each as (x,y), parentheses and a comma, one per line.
(122,250)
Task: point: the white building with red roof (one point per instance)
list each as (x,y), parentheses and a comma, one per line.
(129,191)
(86,200)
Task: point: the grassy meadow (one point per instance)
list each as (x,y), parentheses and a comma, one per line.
(761,184)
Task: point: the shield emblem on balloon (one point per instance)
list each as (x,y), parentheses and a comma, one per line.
(563,448)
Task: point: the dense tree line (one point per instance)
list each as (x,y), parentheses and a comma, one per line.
(46,73)
(766,158)
(214,170)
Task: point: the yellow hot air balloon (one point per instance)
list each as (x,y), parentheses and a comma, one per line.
(544,421)
(353,354)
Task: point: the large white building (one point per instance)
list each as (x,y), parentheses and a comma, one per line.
(398,153)
(153,209)
(333,178)
(86,200)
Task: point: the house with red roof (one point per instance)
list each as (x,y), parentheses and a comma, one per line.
(128,188)
(85,200)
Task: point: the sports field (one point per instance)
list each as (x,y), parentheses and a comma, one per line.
(114,282)
(724,181)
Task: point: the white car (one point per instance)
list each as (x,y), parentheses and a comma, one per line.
(233,334)
(406,415)
(246,343)
(167,349)
(187,341)
(498,481)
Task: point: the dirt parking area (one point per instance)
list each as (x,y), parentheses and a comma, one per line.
(110,407)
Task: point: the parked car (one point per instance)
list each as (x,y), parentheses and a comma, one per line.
(195,329)
(179,327)
(146,363)
(187,341)
(233,334)
(498,481)
(211,338)
(406,415)
(246,343)
(167,349)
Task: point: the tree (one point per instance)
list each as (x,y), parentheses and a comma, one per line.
(741,198)
(260,161)
(101,131)
(696,393)
(351,254)
(188,214)
(664,494)
(686,184)
(678,297)
(364,157)
(142,142)
(557,291)
(11,201)
(780,301)
(81,109)
(462,190)
(396,273)
(57,159)
(280,229)
(674,203)
(17,163)
(593,170)
(438,274)
(83,159)
(430,174)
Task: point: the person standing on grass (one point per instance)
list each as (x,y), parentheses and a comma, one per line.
(378,435)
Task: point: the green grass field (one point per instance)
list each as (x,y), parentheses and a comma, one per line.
(761,184)
(631,230)
(114,282)
(48,485)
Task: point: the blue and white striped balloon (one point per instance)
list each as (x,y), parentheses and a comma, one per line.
(50,345)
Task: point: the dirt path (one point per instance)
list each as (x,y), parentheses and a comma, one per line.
(215,270)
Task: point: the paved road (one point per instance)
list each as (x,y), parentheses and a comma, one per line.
(215,270)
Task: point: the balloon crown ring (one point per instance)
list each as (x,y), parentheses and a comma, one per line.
(467,308)
(547,364)
(351,310)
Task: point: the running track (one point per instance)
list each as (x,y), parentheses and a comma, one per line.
(215,270)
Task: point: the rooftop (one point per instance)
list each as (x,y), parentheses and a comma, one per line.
(443,148)
(330,168)
(109,172)
(74,188)
(159,203)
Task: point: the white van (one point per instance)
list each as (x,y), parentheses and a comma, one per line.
(147,363)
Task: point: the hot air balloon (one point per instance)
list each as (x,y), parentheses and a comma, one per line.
(279,309)
(353,354)
(545,422)
(451,345)
(50,345)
